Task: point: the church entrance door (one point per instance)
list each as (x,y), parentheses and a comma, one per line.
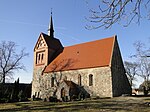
(63,93)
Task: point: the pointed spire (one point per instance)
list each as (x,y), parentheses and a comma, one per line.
(51,29)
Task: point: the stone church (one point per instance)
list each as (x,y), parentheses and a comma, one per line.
(88,69)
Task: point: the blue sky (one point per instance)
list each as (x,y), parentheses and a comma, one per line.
(22,21)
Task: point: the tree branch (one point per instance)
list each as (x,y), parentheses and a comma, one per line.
(10,60)
(110,12)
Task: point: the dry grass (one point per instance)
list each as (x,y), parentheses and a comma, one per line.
(118,104)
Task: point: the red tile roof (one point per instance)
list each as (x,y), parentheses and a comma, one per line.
(86,55)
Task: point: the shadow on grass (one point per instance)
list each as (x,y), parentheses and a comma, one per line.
(111,105)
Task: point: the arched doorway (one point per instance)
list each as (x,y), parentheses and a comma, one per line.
(63,94)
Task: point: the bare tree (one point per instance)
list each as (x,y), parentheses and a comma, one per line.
(109,12)
(131,70)
(10,60)
(143,61)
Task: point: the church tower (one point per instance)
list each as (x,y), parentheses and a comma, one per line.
(46,49)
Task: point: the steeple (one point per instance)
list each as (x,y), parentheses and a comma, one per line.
(51,29)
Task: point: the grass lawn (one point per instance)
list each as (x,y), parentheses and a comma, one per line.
(117,104)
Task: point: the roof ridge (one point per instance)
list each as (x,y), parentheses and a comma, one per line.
(91,41)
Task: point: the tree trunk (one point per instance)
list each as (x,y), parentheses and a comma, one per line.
(3,79)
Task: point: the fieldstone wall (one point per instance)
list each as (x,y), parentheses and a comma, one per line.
(36,81)
(102,81)
(120,83)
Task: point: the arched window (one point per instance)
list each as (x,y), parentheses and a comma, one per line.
(39,57)
(79,79)
(42,56)
(52,82)
(63,93)
(90,80)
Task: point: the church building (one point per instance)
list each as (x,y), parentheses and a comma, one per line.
(88,69)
